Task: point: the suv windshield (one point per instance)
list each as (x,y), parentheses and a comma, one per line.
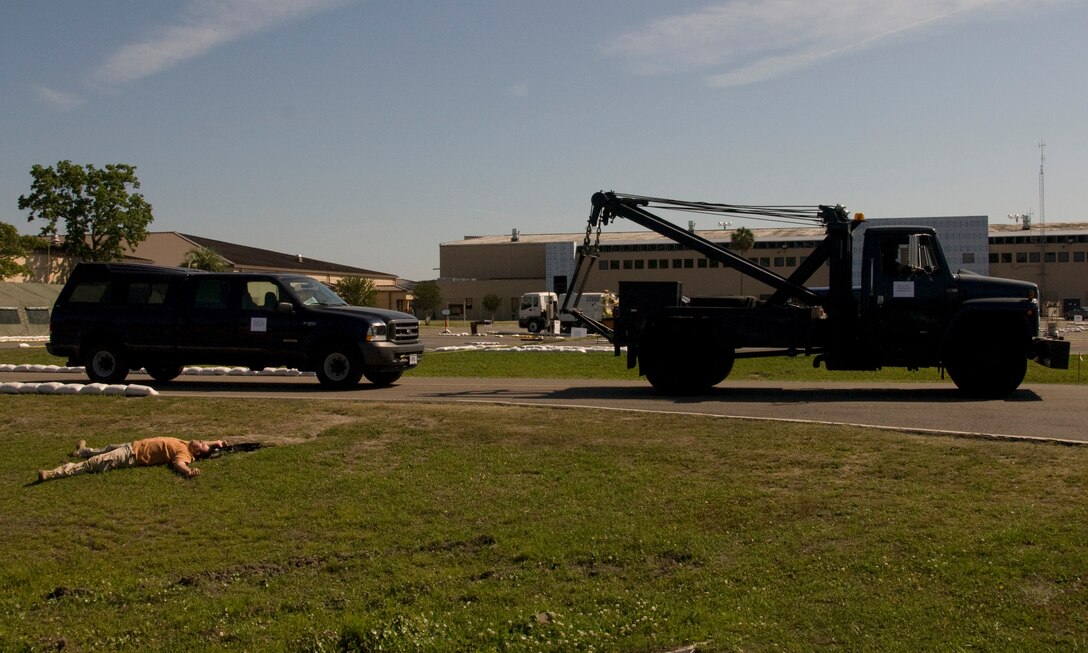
(310,292)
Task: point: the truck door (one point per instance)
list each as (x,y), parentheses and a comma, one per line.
(268,335)
(905,305)
(207,330)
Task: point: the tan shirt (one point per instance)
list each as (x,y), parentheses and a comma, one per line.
(161,451)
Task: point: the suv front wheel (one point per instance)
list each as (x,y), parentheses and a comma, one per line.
(339,367)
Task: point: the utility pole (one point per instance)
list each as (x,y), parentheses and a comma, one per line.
(1042,227)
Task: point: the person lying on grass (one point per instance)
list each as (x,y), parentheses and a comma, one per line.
(176,453)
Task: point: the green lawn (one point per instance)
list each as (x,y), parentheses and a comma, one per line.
(398,527)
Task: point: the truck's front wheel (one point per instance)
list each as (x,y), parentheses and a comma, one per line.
(382,379)
(534,327)
(988,362)
(339,368)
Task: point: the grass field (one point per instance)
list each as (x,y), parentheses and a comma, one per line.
(372,527)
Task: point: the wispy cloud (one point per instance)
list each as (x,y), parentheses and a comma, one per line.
(746,41)
(58,99)
(203,26)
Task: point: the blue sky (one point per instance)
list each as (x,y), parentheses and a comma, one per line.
(367,132)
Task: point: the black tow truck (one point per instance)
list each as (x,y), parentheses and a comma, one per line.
(910,311)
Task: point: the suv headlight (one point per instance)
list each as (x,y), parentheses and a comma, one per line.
(376,332)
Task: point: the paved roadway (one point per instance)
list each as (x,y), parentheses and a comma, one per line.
(1057,412)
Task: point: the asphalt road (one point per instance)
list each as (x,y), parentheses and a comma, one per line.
(1049,412)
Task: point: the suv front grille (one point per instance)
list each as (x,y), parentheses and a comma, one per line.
(404,331)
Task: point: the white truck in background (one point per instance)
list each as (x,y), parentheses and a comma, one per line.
(539,311)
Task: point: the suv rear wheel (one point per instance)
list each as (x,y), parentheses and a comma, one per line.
(105,363)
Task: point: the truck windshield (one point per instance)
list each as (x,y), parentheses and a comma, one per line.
(309,292)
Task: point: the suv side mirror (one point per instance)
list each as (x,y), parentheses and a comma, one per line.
(285,307)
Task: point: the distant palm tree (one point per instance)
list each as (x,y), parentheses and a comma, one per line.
(202,258)
(742,240)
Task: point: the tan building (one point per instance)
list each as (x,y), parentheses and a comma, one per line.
(510,265)
(170,248)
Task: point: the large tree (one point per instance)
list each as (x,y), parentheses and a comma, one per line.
(427,298)
(357,291)
(98,209)
(13,246)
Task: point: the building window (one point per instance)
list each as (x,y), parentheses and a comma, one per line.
(993,257)
(689,263)
(37,315)
(1006,257)
(702,263)
(663,263)
(628,264)
(765,261)
(779,261)
(791,261)
(1063,257)
(714,263)
(639,264)
(613,265)
(677,263)
(1078,257)
(652,263)
(1050,257)
(1034,257)
(602,265)
(1021,257)
(9,315)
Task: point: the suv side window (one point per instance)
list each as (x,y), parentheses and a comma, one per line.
(212,294)
(147,294)
(91,292)
(261,295)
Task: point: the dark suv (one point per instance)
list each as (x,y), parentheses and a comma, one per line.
(113,317)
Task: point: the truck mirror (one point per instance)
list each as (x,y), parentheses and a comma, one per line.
(285,308)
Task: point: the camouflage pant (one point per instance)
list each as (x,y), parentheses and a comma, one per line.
(97,460)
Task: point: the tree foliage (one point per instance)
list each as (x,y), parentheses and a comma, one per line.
(202,258)
(491,303)
(99,212)
(742,240)
(357,291)
(13,246)
(428,298)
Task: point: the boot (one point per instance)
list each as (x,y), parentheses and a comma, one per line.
(80,446)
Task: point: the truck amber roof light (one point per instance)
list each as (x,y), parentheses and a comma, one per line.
(859,217)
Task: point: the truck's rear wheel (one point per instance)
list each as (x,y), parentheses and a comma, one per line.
(163,371)
(339,368)
(106,362)
(673,372)
(988,362)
